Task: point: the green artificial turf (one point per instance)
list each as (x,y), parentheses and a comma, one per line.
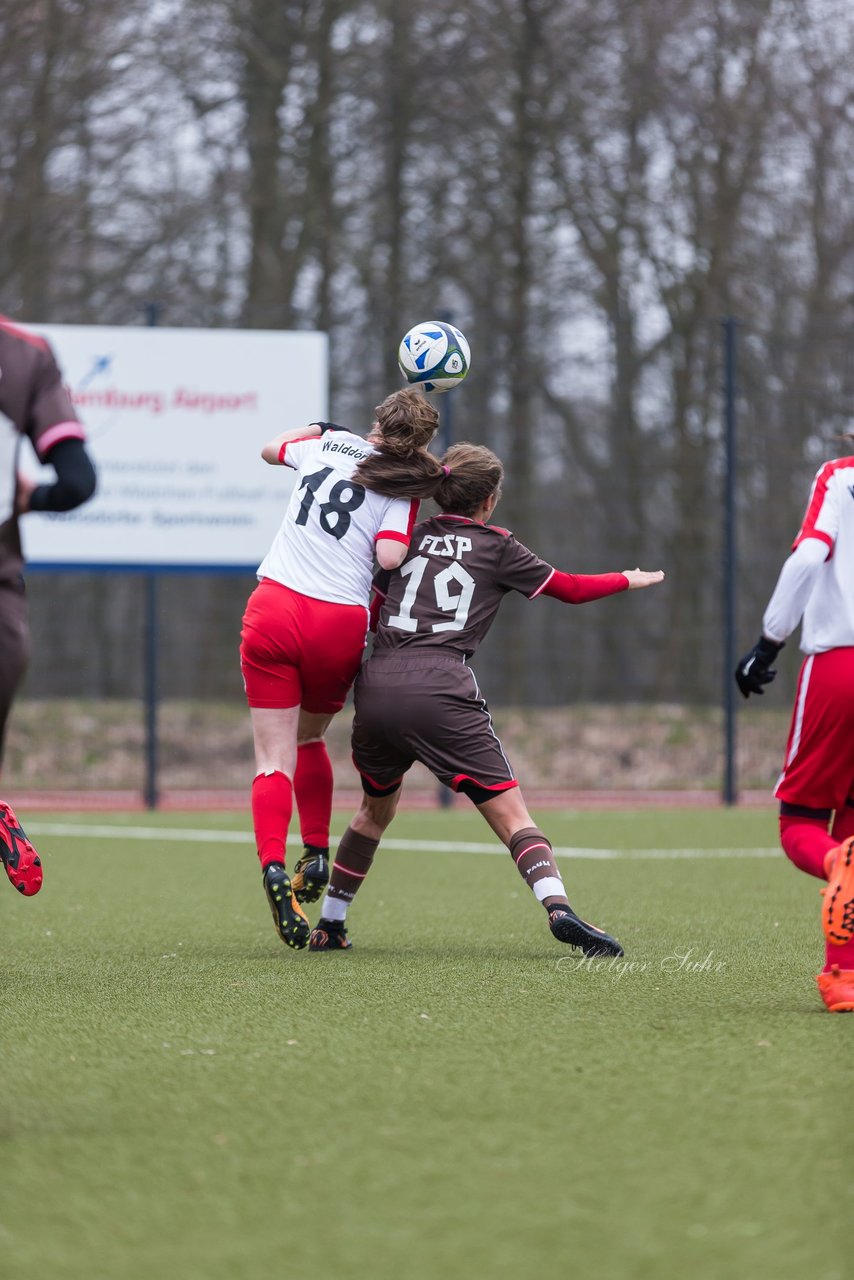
(458,1097)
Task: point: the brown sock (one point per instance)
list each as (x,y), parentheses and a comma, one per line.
(535,862)
(352,863)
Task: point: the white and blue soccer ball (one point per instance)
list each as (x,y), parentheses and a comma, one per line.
(434,355)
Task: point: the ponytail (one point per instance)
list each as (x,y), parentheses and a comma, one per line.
(400,466)
(470,473)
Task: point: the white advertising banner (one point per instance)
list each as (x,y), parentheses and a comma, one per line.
(175,420)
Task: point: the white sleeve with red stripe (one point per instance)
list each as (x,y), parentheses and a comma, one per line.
(819,579)
(294,453)
(822,515)
(794,588)
(398,520)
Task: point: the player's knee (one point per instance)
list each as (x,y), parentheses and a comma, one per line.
(506,812)
(375,814)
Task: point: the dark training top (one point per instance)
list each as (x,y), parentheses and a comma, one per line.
(451,584)
(33,403)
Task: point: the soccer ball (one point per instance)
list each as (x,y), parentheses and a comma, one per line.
(434,355)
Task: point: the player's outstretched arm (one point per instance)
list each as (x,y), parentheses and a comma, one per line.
(272,449)
(638,578)
(581,588)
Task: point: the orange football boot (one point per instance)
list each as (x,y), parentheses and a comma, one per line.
(837,913)
(837,989)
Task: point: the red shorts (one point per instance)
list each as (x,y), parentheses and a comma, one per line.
(819,767)
(300,652)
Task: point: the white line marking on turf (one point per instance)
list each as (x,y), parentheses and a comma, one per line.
(170,835)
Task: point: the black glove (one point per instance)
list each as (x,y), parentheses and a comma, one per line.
(754,670)
(330,426)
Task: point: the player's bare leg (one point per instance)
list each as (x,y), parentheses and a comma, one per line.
(274,730)
(375,815)
(508,816)
(274,733)
(353,861)
(313,784)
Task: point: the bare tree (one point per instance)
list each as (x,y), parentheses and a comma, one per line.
(587,189)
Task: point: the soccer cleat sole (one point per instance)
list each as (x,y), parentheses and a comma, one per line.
(23,865)
(837,913)
(567,927)
(291,924)
(310,878)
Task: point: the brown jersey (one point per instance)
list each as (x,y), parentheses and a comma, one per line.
(451,584)
(33,403)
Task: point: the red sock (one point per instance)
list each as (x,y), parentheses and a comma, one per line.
(313,791)
(272,805)
(843,823)
(805,841)
(842,956)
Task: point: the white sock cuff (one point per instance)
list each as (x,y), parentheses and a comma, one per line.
(549,887)
(333,908)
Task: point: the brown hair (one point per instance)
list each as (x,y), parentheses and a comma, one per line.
(474,474)
(400,466)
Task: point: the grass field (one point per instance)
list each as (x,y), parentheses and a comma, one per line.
(457,1097)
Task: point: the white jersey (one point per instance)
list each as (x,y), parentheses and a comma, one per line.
(816,584)
(325,546)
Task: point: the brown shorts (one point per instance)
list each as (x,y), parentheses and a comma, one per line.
(14,648)
(426,707)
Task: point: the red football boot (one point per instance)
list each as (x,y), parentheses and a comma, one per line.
(837,989)
(23,865)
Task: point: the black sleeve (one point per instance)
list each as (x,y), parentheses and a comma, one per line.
(75,478)
(381,582)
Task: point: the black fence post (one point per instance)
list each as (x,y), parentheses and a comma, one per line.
(729,793)
(150,690)
(446,439)
(150,681)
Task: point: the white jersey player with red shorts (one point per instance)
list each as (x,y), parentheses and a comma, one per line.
(305,624)
(816,588)
(816,787)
